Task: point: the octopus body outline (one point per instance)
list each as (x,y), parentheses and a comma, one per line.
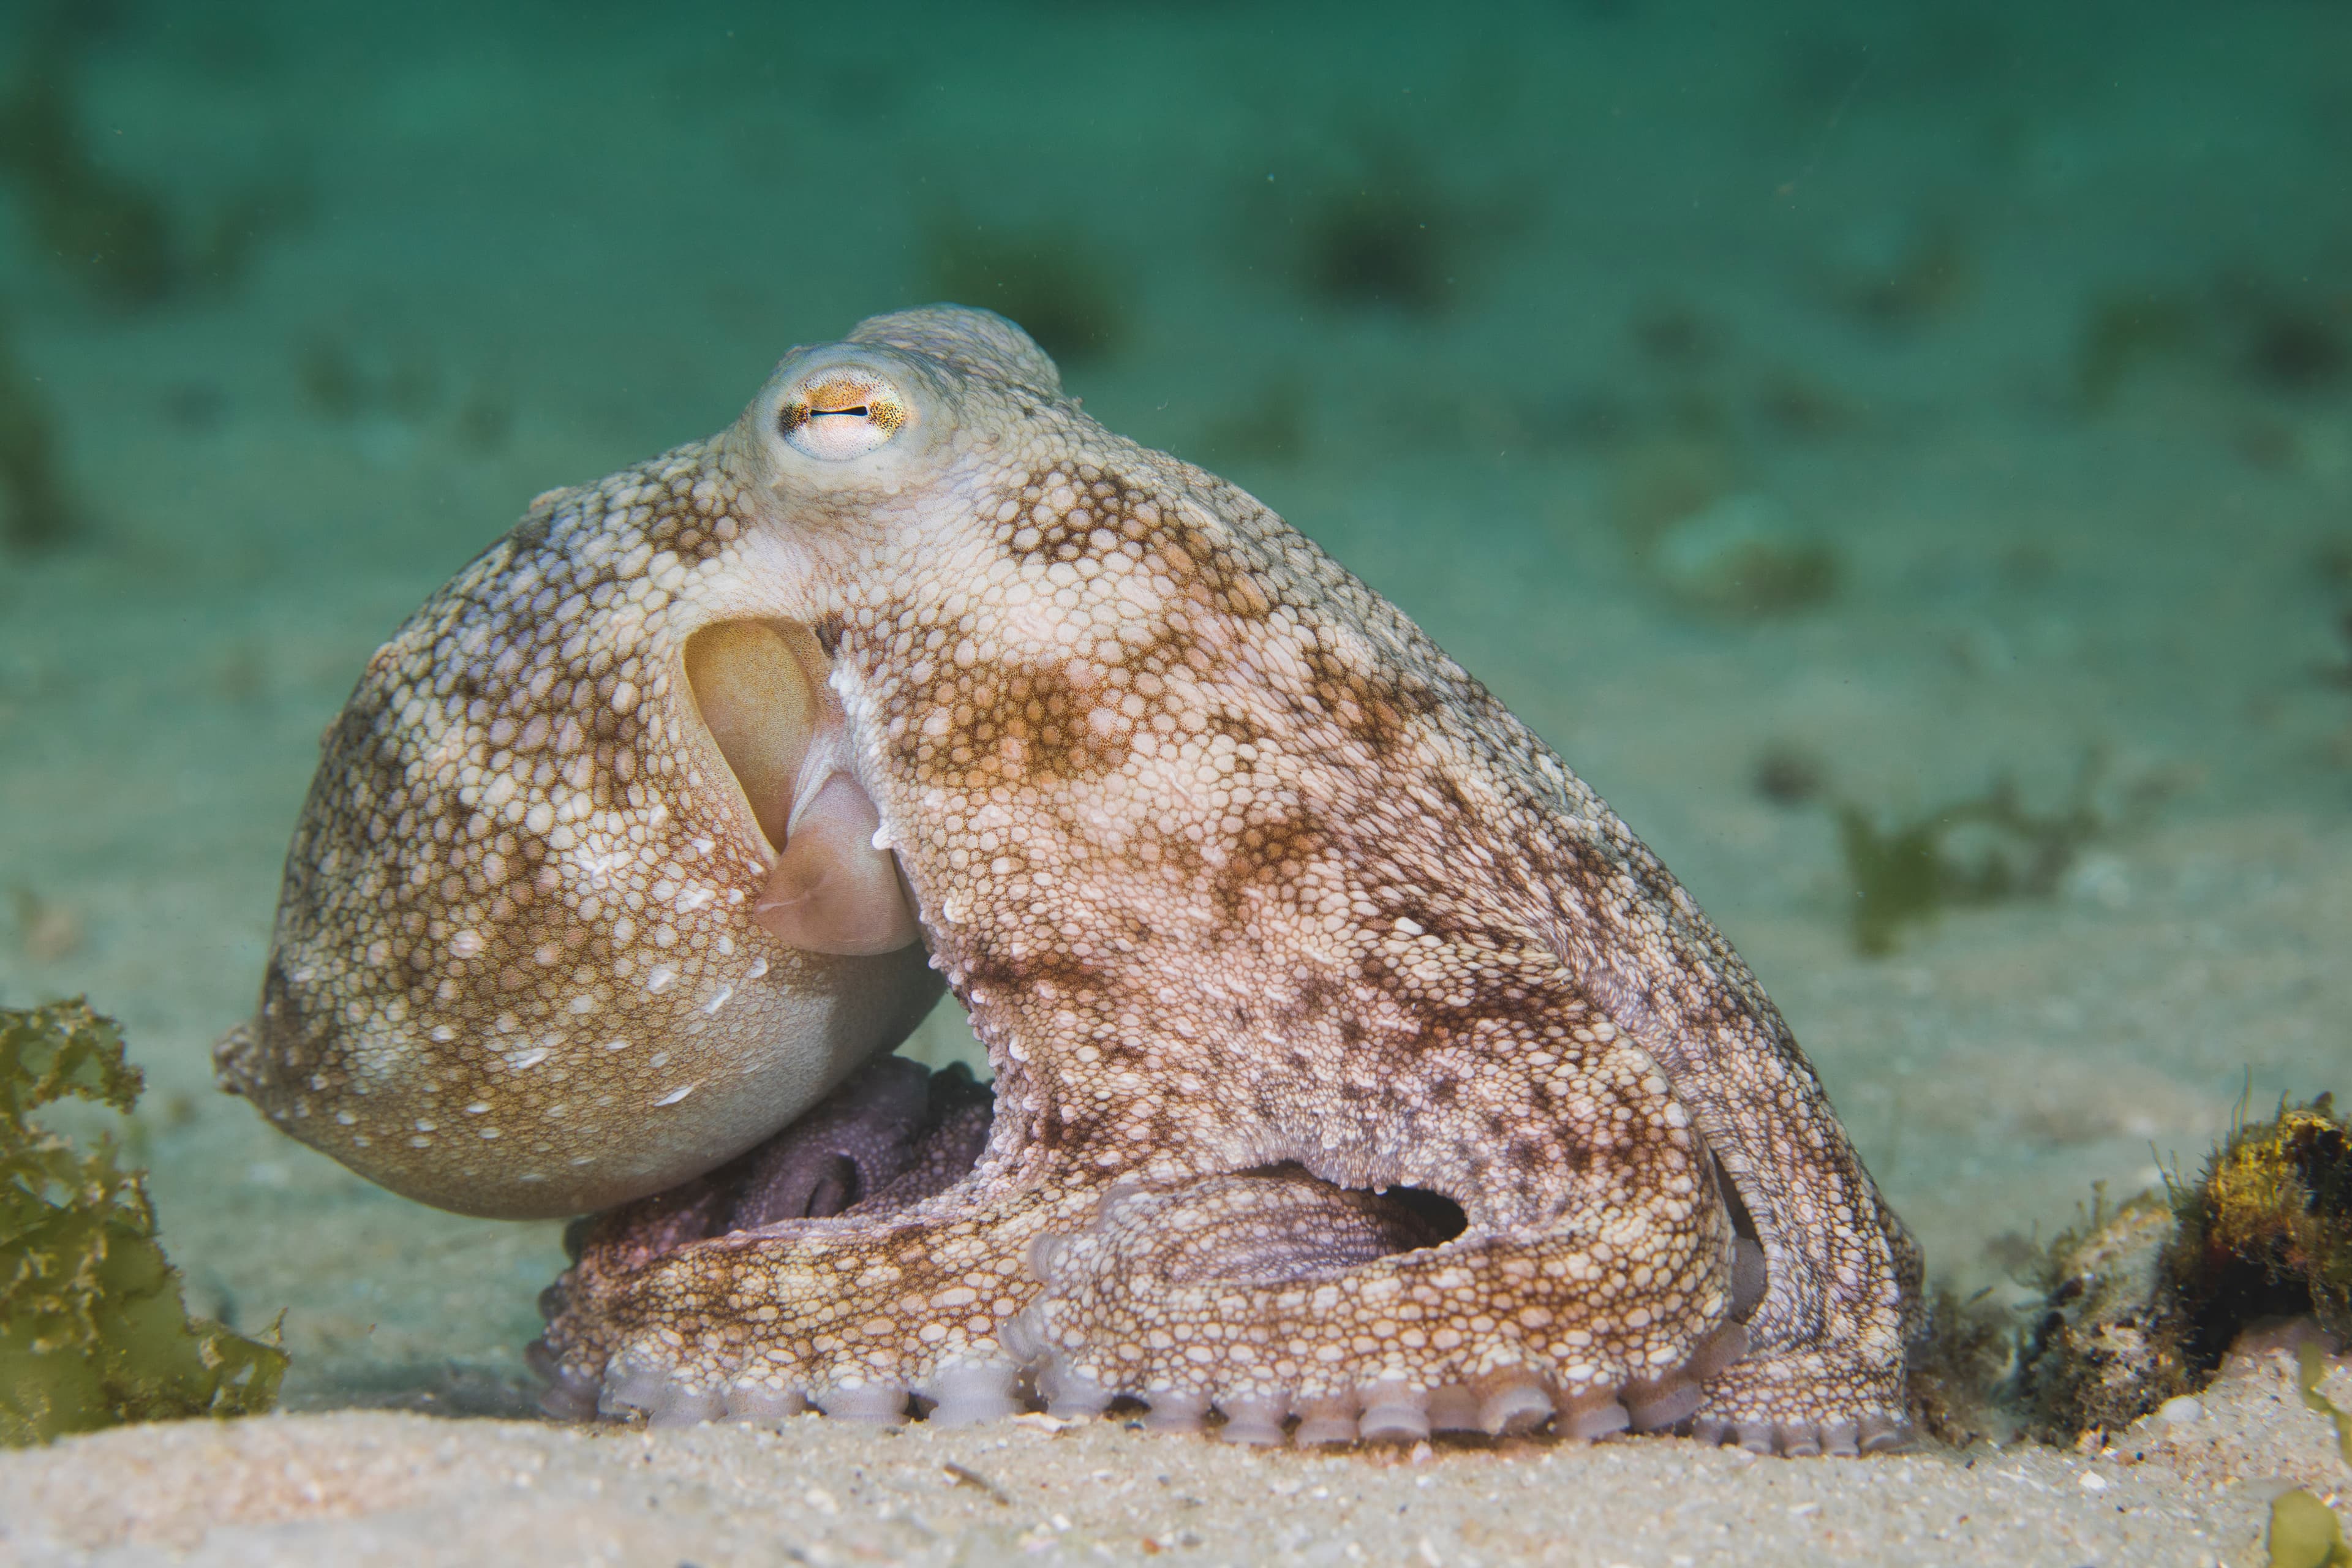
(1358,1073)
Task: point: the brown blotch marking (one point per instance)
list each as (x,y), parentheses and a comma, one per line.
(995,973)
(1108,502)
(1037,706)
(1104,498)
(1378,712)
(1269,858)
(1318,995)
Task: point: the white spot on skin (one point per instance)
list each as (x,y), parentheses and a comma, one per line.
(661,979)
(719,999)
(674,1096)
(598,866)
(465,944)
(527,1060)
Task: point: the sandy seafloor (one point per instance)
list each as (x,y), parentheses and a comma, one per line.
(1851,260)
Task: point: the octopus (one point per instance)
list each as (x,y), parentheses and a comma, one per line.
(1357,1073)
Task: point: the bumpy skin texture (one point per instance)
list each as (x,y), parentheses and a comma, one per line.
(512,972)
(1262,906)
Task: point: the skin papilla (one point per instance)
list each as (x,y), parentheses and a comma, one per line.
(1353,1062)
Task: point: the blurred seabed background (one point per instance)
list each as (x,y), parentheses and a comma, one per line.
(1902,457)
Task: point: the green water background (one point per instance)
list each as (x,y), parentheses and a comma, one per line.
(2019,336)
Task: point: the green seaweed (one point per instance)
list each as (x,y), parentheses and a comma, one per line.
(1907,874)
(2304,1533)
(93,1331)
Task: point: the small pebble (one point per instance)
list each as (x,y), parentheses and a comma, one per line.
(2179,1412)
(2094,1482)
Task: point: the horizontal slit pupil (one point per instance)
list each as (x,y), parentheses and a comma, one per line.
(860,412)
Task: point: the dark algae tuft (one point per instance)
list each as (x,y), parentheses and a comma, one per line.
(93,1331)
(2244,329)
(1372,244)
(1371,227)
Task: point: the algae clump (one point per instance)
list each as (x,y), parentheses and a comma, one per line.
(1907,874)
(2143,1301)
(2268,1231)
(93,1331)
(2105,1348)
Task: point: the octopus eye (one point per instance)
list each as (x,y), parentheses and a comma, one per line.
(841,415)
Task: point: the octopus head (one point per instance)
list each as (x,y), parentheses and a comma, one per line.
(586,898)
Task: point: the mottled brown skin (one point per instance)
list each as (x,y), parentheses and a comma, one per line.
(1261,904)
